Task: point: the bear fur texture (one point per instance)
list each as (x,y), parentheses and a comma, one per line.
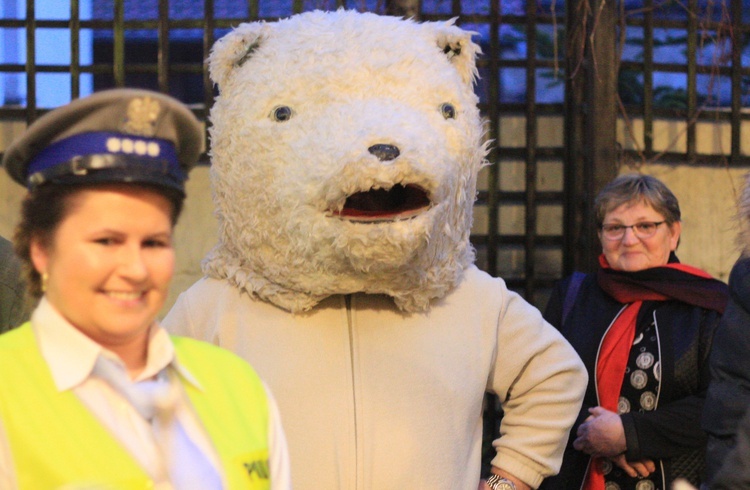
(345,151)
(317,191)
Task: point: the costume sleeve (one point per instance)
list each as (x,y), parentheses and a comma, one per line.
(540,381)
(278,454)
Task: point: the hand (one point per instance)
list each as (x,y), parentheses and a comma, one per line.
(642,468)
(602,434)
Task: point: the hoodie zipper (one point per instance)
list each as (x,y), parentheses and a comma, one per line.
(350,326)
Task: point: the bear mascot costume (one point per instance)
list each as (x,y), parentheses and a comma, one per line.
(345,149)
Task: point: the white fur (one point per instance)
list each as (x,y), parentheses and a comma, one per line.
(352,80)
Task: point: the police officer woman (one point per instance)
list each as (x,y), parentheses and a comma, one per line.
(95,393)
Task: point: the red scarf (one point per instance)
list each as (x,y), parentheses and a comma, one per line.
(670,281)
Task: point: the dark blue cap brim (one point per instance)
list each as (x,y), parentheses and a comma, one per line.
(120,176)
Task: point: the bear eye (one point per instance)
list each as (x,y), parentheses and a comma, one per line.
(281,113)
(448,111)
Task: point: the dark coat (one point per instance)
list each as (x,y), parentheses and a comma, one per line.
(671,434)
(734,473)
(728,395)
(13,308)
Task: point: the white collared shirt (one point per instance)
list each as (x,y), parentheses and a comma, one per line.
(71,356)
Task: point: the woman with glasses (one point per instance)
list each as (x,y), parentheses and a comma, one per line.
(642,325)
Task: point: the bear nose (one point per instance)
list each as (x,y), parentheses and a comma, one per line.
(384,153)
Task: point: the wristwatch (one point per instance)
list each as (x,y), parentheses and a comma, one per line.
(497,482)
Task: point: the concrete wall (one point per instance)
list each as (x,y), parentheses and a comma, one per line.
(707,197)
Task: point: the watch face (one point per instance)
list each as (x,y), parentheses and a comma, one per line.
(496,482)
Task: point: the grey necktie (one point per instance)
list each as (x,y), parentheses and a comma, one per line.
(150,397)
(155,400)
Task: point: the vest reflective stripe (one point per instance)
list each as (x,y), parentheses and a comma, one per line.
(56,441)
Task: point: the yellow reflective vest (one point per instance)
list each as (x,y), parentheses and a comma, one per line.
(56,441)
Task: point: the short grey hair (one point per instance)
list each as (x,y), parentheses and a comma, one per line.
(634,188)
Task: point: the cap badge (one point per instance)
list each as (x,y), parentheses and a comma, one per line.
(142,115)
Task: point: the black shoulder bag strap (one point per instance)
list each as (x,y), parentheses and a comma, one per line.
(570,295)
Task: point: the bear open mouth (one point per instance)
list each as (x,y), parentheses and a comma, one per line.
(398,202)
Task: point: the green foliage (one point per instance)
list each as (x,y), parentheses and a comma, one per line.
(630,87)
(545,43)
(671,98)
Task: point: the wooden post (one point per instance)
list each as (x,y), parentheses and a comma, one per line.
(591,119)
(408,9)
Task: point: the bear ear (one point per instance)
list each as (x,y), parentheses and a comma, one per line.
(462,52)
(234,49)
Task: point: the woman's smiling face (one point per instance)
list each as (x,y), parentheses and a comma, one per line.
(110,262)
(631,253)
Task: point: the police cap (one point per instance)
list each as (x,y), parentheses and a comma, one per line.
(118,135)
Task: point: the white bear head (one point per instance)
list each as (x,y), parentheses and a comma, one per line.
(345,150)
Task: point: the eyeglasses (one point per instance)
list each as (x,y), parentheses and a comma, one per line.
(644,229)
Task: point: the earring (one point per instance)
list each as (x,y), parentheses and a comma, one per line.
(45,278)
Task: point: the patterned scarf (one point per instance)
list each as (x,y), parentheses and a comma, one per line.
(671,281)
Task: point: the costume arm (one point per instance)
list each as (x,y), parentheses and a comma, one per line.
(278,454)
(540,381)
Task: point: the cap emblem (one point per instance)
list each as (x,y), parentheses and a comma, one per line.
(142,115)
